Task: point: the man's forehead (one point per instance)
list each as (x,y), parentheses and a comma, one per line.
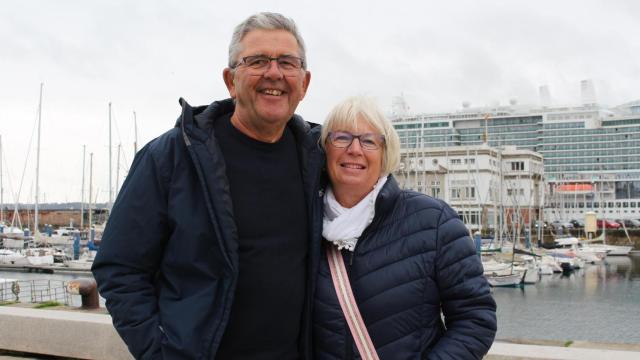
(269,42)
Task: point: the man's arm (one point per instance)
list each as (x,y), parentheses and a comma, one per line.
(467,305)
(129,257)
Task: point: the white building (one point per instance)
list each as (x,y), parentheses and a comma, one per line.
(472,181)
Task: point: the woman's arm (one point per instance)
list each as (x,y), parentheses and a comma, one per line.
(467,305)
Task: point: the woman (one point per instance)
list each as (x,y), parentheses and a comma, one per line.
(408,256)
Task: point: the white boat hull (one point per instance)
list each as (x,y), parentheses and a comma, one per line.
(613,250)
(511,280)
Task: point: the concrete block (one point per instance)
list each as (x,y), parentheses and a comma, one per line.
(75,334)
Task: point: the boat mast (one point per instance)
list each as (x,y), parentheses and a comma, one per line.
(35,221)
(110,161)
(84,152)
(500,197)
(135,129)
(1,186)
(118,170)
(90,191)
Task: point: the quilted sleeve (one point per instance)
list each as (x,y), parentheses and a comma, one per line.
(467,305)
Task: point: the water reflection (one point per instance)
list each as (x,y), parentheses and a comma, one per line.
(598,303)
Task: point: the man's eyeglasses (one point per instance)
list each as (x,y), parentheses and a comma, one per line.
(368,141)
(289,65)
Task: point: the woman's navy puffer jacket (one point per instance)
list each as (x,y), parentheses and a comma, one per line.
(414,262)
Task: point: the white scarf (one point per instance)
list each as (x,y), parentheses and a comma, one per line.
(343,226)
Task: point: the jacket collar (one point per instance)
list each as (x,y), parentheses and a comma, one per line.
(387,196)
(197,122)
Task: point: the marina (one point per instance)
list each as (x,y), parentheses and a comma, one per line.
(598,303)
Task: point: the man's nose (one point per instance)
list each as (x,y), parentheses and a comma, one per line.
(273,70)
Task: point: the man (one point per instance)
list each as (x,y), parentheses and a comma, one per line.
(210,246)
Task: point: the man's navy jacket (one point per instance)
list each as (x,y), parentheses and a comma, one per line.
(168,260)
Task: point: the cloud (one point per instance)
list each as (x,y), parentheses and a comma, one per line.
(144,55)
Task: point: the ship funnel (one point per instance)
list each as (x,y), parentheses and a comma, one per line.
(587,92)
(545,96)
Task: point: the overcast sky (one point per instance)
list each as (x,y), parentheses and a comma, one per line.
(143,55)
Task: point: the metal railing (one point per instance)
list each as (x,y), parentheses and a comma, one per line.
(34,291)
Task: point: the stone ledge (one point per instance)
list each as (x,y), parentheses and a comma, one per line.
(503,350)
(90,335)
(73,334)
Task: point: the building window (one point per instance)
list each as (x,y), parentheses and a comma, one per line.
(471,192)
(456,161)
(517,165)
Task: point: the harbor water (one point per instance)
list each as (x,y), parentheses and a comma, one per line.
(600,303)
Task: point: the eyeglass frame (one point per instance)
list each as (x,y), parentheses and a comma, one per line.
(359,137)
(243,61)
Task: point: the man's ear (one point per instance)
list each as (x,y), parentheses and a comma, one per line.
(228,76)
(305,83)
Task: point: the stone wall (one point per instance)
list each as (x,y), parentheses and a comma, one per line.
(69,334)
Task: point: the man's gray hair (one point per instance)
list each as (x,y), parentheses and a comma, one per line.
(264,21)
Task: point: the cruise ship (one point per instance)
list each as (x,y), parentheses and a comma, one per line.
(591,153)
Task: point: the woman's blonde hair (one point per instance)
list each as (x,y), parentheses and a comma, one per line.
(345,115)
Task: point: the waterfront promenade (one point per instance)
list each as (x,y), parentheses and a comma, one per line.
(72,333)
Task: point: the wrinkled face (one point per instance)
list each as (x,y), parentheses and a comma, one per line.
(354,168)
(266,97)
